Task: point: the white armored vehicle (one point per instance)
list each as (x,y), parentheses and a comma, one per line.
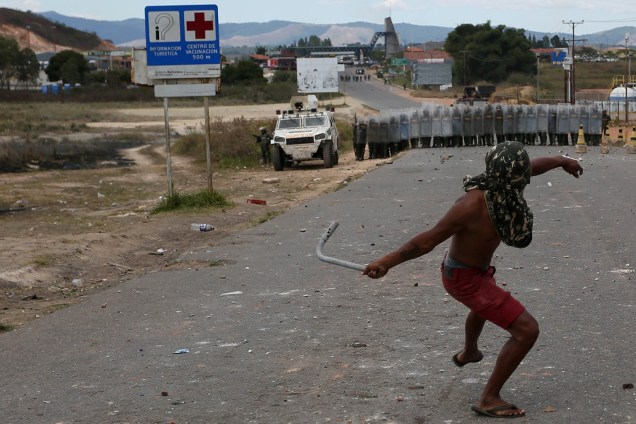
(303,133)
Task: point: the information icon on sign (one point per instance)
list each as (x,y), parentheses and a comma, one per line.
(166,26)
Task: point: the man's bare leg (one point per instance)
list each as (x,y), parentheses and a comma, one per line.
(524,332)
(473,328)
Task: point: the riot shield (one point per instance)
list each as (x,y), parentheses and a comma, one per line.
(394,129)
(360,140)
(384,139)
(373,137)
(584,121)
(563,124)
(456,125)
(414,124)
(520,123)
(478,125)
(468,126)
(542,124)
(531,124)
(436,126)
(447,124)
(426,126)
(573,114)
(509,122)
(405,130)
(563,119)
(553,118)
(596,125)
(499,124)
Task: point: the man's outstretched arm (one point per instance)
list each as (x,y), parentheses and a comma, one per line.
(544,164)
(464,210)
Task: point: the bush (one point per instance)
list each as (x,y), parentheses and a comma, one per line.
(232,143)
(200,200)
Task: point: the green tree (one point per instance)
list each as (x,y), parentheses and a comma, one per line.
(27,67)
(557,42)
(245,72)
(261,49)
(314,40)
(545,42)
(484,53)
(69,66)
(9,53)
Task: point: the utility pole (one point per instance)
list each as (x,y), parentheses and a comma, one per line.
(538,60)
(464,53)
(628,78)
(573,24)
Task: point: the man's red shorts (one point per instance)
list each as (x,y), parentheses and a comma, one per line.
(478,290)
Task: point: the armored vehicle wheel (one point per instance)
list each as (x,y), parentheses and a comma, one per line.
(327,154)
(278,158)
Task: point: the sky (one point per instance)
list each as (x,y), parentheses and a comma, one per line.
(550,16)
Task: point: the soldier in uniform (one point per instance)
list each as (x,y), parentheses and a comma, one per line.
(394,135)
(531,125)
(383,139)
(520,124)
(553,118)
(436,125)
(456,126)
(605,118)
(359,139)
(542,124)
(264,139)
(563,124)
(584,121)
(596,125)
(499,124)
(405,131)
(489,126)
(478,125)
(509,123)
(468,133)
(447,127)
(373,138)
(426,127)
(574,123)
(414,129)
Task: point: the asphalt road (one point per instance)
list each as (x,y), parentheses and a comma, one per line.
(376,94)
(276,336)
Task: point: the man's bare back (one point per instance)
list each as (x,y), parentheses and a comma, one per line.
(475,244)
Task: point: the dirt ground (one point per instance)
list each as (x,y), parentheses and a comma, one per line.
(74,232)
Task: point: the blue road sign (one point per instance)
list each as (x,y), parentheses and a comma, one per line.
(183,41)
(560,56)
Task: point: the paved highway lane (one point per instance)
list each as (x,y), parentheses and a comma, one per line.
(276,336)
(374,93)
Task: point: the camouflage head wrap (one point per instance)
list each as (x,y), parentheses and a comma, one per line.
(507,174)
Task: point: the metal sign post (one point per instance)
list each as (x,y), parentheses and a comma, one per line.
(206,108)
(183,59)
(168,158)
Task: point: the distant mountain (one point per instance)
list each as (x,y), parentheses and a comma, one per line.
(116,31)
(43,35)
(131,32)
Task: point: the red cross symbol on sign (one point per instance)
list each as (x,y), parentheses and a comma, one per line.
(199,26)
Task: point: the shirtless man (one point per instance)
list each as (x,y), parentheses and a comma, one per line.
(492,210)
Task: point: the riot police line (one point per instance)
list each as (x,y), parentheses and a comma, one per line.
(433,125)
